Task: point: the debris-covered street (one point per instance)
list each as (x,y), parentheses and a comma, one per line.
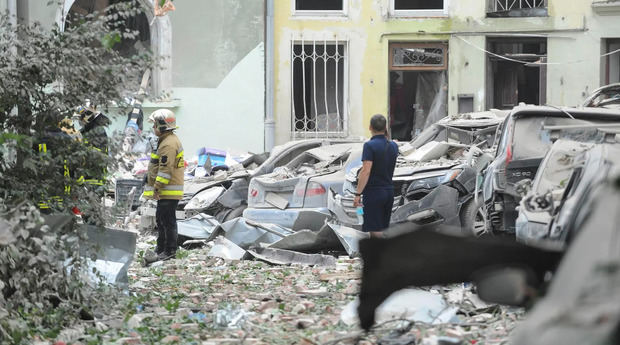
(206,300)
(309,172)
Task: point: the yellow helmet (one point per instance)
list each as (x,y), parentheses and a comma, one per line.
(164,119)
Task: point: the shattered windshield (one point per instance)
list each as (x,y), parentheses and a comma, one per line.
(530,140)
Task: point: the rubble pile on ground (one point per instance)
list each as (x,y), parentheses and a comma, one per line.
(198,299)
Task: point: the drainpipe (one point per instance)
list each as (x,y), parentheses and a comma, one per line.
(270,124)
(11,6)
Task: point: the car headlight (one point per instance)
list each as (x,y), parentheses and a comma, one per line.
(433,181)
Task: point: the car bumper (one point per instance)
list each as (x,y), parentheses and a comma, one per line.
(342,208)
(285,218)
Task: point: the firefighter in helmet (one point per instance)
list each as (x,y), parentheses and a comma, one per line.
(165,181)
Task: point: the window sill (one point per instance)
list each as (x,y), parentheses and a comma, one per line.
(606,8)
(402,14)
(319,14)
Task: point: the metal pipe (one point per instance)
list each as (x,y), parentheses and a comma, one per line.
(270,124)
(11,6)
(487,32)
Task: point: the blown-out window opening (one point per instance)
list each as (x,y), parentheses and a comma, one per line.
(318,88)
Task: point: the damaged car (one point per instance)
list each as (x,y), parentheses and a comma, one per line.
(301,185)
(542,196)
(436,174)
(224,195)
(605,96)
(526,137)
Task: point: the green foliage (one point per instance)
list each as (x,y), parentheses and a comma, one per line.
(44,75)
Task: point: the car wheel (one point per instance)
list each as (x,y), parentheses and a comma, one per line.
(473,220)
(234,213)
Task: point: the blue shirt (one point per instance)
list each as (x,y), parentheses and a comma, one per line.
(383,155)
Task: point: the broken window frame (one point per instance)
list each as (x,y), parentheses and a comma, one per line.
(421,67)
(342,111)
(419,13)
(320,13)
(518,8)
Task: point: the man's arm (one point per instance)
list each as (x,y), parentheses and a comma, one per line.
(362,181)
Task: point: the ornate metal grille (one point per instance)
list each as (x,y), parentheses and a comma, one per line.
(318,89)
(507,5)
(418,56)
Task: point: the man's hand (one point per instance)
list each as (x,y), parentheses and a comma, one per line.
(156,195)
(357,201)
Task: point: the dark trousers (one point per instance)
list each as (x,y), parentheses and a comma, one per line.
(166,225)
(378,204)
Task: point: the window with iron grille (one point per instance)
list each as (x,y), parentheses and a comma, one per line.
(319,84)
(517,8)
(418,56)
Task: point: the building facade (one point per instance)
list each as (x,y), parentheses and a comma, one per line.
(338,62)
(212,64)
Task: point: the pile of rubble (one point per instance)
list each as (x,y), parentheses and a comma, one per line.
(201,299)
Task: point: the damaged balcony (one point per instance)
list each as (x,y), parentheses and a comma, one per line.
(517,8)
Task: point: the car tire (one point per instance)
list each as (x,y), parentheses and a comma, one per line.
(234,213)
(472,218)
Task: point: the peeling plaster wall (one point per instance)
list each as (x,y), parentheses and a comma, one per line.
(369,29)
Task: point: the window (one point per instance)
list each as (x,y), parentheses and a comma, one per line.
(419,8)
(319,7)
(318,89)
(517,8)
(509,82)
(418,56)
(612,61)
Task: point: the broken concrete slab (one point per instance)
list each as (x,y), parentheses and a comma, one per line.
(225,249)
(199,227)
(349,238)
(411,304)
(276,200)
(432,150)
(287,257)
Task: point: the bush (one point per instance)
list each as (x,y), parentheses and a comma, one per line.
(44,75)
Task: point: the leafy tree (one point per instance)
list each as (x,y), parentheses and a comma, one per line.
(44,75)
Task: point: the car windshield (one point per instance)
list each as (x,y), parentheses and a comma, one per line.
(531,141)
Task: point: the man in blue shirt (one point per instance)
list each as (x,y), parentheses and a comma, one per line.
(375,178)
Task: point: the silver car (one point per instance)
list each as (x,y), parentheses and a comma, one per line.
(301,185)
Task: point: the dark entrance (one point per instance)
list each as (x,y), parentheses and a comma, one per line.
(515,74)
(418,87)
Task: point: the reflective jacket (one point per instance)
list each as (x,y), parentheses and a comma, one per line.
(166,169)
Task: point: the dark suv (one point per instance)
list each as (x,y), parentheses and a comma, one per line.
(527,134)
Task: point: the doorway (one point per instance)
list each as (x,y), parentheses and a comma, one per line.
(418,87)
(516,73)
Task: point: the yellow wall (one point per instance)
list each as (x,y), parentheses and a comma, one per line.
(368,28)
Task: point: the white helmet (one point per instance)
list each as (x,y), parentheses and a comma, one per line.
(164,120)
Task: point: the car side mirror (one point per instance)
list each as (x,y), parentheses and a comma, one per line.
(508,286)
(523,187)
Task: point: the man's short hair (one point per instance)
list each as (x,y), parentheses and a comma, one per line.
(378,123)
